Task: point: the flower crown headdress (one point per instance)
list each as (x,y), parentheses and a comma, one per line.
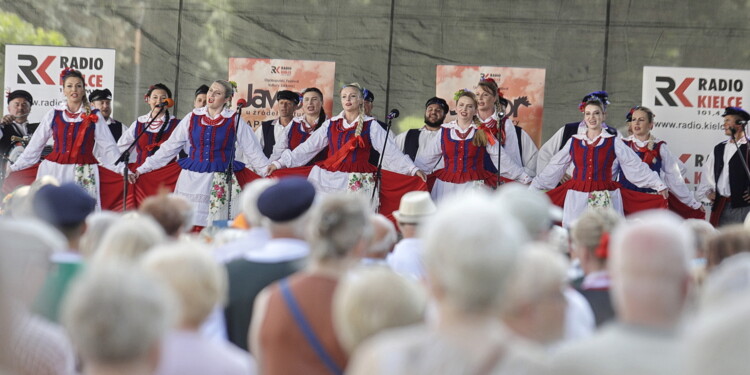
(460,93)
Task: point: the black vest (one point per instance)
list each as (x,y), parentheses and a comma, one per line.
(374,155)
(738,181)
(10,131)
(116,129)
(571,129)
(411,143)
(269,140)
(519,131)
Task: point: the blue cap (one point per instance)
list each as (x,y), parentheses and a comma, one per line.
(287,199)
(64,205)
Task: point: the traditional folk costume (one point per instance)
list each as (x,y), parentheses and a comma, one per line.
(156,134)
(81,142)
(516,142)
(209,142)
(413,142)
(298,131)
(269,133)
(595,162)
(347,167)
(660,160)
(464,162)
(560,138)
(724,174)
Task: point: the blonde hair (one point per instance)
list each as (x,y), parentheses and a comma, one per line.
(198,282)
(372,299)
(361,117)
(588,229)
(480,138)
(128,239)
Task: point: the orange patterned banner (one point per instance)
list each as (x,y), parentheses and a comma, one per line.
(258,81)
(524,87)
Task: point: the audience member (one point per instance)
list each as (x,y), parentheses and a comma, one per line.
(199,283)
(117,316)
(128,239)
(468,288)
(729,240)
(34,345)
(384,237)
(406,258)
(284,208)
(293,318)
(591,233)
(172,212)
(535,302)
(65,207)
(650,271)
(372,299)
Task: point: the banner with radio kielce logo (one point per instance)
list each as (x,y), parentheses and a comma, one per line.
(258,81)
(36,69)
(687,104)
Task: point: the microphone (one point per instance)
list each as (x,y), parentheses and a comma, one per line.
(392,114)
(242,103)
(732,130)
(168,102)
(453,113)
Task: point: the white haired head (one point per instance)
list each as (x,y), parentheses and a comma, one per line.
(650,268)
(116,315)
(128,238)
(532,208)
(469,250)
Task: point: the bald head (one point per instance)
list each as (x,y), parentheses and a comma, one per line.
(649,267)
(384,237)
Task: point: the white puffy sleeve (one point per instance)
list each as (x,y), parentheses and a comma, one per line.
(307,150)
(393,159)
(248,144)
(554,169)
(635,170)
(548,150)
(429,155)
(170,148)
(33,150)
(674,178)
(708,183)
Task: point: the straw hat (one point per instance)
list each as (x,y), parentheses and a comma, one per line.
(414,207)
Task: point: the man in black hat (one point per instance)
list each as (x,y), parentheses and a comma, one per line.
(200,97)
(412,140)
(102,100)
(15,129)
(284,206)
(269,131)
(728,186)
(65,207)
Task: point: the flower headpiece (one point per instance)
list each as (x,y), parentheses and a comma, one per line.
(234,86)
(629,116)
(301,97)
(599,96)
(459,93)
(67,71)
(7,93)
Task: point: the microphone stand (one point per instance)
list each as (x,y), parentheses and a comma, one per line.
(230,167)
(500,141)
(125,156)
(380,162)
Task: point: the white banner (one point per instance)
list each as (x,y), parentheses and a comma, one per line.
(36,69)
(688,103)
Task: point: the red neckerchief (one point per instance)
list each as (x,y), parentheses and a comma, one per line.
(649,156)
